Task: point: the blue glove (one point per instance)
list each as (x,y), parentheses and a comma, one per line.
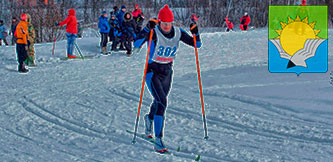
(56,24)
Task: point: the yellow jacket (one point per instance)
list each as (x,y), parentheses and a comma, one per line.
(22,33)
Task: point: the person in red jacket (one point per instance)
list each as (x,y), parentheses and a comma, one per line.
(303,3)
(71,31)
(245,21)
(230,25)
(136,12)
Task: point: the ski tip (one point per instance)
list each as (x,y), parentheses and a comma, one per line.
(197,158)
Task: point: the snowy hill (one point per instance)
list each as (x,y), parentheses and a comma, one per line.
(79,110)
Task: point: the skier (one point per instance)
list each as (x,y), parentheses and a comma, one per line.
(30,61)
(104,27)
(71,31)
(128,32)
(12,29)
(230,25)
(164,45)
(22,35)
(114,25)
(3,33)
(245,21)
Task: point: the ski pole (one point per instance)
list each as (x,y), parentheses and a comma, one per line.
(200,86)
(54,40)
(78,49)
(143,86)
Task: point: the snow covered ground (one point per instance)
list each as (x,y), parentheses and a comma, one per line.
(79,110)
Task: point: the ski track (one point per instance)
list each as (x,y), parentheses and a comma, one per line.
(79,110)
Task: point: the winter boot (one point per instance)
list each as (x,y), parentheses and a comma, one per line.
(114,49)
(159,146)
(122,48)
(71,56)
(128,54)
(22,69)
(148,127)
(105,52)
(33,63)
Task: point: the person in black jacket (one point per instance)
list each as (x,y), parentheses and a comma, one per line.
(12,29)
(139,22)
(128,32)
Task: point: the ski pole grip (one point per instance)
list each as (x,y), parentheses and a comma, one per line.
(195,25)
(154,20)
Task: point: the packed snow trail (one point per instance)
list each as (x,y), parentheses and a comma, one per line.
(79,110)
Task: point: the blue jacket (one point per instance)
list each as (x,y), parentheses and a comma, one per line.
(115,26)
(120,16)
(2,29)
(103,25)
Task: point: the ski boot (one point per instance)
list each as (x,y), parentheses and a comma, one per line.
(71,56)
(148,128)
(159,146)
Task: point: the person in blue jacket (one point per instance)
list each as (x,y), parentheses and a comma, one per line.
(3,33)
(120,17)
(104,29)
(163,50)
(114,24)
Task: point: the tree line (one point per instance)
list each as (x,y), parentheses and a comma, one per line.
(211,12)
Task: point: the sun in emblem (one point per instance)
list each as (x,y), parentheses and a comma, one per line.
(294,34)
(297,41)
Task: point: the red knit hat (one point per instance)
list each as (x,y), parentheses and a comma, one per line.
(24,17)
(303,2)
(165,14)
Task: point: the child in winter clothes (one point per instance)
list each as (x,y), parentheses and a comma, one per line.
(128,32)
(22,35)
(104,27)
(230,25)
(71,32)
(163,50)
(114,31)
(3,33)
